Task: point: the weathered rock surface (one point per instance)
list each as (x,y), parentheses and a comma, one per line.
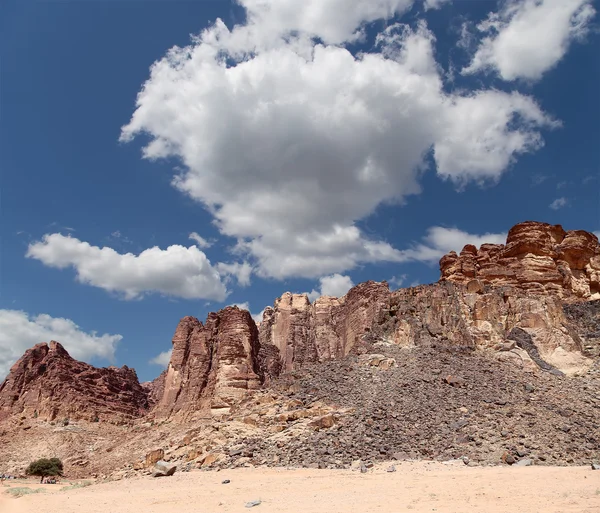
(155,388)
(327,329)
(449,317)
(537,257)
(212,364)
(47,383)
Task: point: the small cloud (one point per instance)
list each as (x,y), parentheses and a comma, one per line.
(246,306)
(597,234)
(335,285)
(561,185)
(588,179)
(176,271)
(397,281)
(242,306)
(259,316)
(434,4)
(162,359)
(538,179)
(559,203)
(118,235)
(65,228)
(200,241)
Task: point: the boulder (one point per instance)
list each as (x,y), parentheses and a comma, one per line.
(164,469)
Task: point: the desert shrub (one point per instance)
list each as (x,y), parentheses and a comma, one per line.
(82,484)
(45,467)
(23,490)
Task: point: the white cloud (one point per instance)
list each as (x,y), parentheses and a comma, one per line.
(290,142)
(242,306)
(19,331)
(333,21)
(335,285)
(481,142)
(597,234)
(559,203)
(200,241)
(259,316)
(526,38)
(162,359)
(242,271)
(435,4)
(397,281)
(176,271)
(440,240)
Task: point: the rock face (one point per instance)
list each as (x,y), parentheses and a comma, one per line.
(449,317)
(47,383)
(327,329)
(537,257)
(212,364)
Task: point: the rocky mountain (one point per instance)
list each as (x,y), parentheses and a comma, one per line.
(502,321)
(47,383)
(484,301)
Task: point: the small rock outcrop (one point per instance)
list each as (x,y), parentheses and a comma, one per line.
(212,365)
(48,384)
(537,257)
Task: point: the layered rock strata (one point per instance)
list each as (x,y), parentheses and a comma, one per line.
(212,364)
(537,257)
(326,329)
(48,384)
(448,316)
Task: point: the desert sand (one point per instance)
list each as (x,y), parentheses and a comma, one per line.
(414,487)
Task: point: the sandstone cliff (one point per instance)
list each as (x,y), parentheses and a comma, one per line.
(329,328)
(212,364)
(537,257)
(450,317)
(47,383)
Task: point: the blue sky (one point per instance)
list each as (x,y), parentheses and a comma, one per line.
(309,145)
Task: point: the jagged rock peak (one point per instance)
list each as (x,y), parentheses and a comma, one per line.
(212,364)
(48,383)
(537,257)
(328,328)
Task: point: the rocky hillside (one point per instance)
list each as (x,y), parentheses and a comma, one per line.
(47,383)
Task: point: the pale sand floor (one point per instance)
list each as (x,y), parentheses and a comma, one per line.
(415,487)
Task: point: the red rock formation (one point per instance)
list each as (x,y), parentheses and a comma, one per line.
(451,317)
(155,388)
(329,328)
(212,365)
(215,364)
(537,257)
(46,382)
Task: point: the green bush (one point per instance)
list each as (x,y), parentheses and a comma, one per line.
(45,467)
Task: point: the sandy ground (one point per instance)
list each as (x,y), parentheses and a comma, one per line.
(414,487)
